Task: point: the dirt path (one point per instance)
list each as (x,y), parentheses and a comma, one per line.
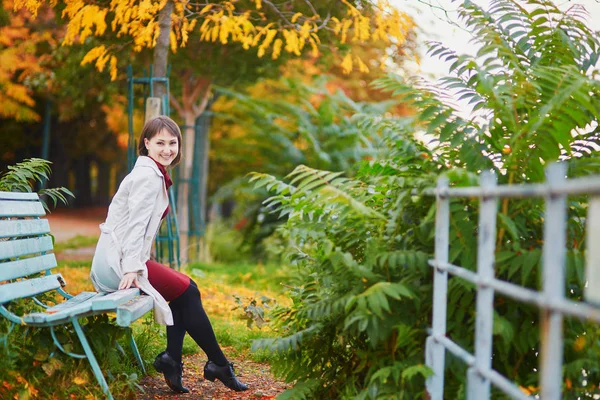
(261,384)
(65,224)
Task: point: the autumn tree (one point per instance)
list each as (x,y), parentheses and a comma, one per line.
(266,27)
(20,62)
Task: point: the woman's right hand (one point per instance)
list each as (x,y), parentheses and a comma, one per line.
(128,280)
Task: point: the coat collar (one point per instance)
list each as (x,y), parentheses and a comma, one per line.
(144,161)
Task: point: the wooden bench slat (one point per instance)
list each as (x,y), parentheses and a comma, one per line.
(20,268)
(132,310)
(19,196)
(23,247)
(29,287)
(112,300)
(73,301)
(78,305)
(23,227)
(21,208)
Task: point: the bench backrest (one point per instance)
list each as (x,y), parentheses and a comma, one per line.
(25,248)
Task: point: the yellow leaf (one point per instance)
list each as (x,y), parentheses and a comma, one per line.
(315,49)
(277,48)
(295,17)
(206,9)
(113,68)
(224,32)
(337,25)
(345,26)
(215,33)
(362,67)
(79,380)
(347,64)
(258,4)
(101,62)
(93,54)
(173,42)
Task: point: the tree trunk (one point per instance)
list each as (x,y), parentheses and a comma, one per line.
(185,169)
(161,51)
(203,249)
(194,98)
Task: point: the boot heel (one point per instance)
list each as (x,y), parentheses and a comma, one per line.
(157,366)
(209,377)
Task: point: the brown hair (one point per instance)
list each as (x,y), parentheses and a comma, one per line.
(153,127)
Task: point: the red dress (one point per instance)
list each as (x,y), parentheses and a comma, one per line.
(169,283)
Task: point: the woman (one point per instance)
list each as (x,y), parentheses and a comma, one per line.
(122,257)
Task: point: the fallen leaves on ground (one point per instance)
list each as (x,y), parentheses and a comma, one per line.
(262,385)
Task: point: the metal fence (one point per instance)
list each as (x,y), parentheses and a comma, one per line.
(551,299)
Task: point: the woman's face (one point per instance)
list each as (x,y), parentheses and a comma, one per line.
(162,147)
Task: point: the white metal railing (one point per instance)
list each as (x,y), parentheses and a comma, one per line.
(551,300)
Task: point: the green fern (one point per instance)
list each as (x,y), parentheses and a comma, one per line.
(23,176)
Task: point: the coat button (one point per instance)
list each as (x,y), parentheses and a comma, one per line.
(148,238)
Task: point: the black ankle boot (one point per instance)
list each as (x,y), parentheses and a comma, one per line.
(225,374)
(171,370)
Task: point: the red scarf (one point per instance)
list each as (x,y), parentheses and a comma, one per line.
(163,170)
(168,181)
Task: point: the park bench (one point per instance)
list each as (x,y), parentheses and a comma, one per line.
(26,261)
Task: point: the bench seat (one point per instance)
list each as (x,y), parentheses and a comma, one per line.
(26,263)
(129,305)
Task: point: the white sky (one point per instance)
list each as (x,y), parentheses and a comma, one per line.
(433,24)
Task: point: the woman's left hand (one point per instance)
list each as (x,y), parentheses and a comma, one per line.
(128,280)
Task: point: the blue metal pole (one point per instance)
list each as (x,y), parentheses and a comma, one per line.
(554,252)
(478,386)
(435,353)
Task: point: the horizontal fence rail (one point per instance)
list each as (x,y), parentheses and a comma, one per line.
(550,300)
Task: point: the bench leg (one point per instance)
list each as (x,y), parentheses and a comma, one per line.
(91,358)
(135,350)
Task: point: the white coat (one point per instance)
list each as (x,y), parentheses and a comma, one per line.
(133,220)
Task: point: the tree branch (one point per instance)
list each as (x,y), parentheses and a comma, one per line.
(176,105)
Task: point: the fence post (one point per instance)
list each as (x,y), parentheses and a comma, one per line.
(435,354)
(478,387)
(592,263)
(555,218)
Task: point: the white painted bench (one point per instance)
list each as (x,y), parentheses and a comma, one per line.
(26,263)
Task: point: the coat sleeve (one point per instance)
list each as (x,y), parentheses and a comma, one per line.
(143,193)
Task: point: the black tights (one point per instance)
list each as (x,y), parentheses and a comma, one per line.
(189,316)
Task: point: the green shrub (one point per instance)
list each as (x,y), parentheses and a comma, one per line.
(362,291)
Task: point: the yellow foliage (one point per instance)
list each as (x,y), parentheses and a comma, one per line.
(226,22)
(347,64)
(19,60)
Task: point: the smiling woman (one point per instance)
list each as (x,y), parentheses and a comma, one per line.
(122,257)
(161,141)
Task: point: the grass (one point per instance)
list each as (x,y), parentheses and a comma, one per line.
(75,243)
(258,277)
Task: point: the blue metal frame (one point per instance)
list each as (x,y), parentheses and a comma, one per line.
(551,300)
